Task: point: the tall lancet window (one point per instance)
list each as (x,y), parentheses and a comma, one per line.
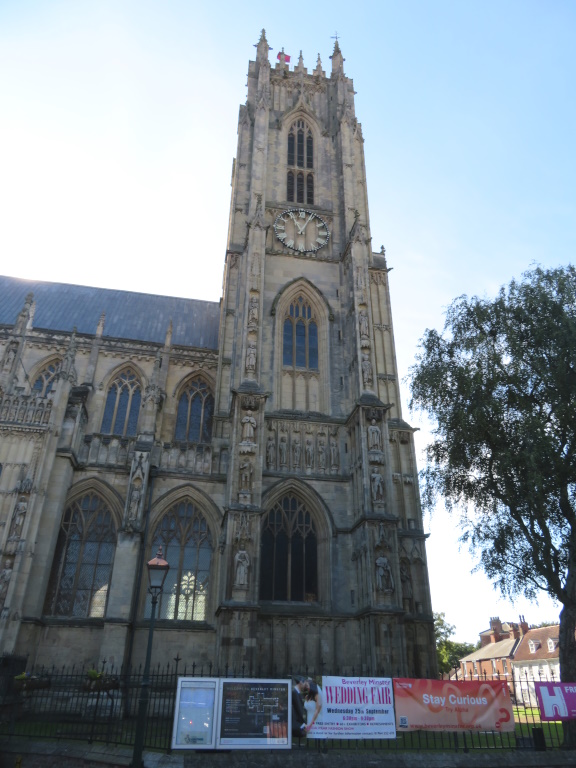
(122,405)
(301,340)
(300,162)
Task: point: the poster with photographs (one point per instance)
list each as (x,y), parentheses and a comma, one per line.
(254,714)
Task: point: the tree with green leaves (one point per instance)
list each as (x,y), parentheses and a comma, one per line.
(500,385)
(448,651)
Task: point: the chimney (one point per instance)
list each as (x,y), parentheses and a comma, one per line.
(496,629)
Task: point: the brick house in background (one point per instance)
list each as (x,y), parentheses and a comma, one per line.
(497,647)
(537,657)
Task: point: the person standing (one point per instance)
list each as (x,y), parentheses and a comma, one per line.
(298,719)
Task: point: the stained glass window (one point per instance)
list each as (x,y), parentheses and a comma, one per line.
(300,336)
(289,553)
(46,380)
(122,405)
(195,413)
(186,543)
(83,560)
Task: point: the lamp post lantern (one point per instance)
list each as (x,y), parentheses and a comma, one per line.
(157,571)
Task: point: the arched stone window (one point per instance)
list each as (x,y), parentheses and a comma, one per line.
(300,339)
(122,405)
(300,155)
(46,379)
(289,553)
(302,344)
(195,413)
(82,566)
(186,541)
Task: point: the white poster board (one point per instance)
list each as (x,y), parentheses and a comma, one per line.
(195,713)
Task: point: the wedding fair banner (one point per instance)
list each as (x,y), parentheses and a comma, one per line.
(557,701)
(448,705)
(355,708)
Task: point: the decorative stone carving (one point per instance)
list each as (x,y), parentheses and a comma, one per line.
(367,376)
(384,578)
(251,357)
(309,452)
(271,452)
(334,454)
(243,532)
(246,471)
(136,488)
(406,580)
(253,311)
(363,324)
(248,428)
(296,451)
(374,437)
(241,567)
(283,451)
(321,453)
(377,484)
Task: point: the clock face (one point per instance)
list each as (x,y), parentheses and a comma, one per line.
(301,231)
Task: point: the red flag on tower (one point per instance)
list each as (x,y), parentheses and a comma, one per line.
(286,57)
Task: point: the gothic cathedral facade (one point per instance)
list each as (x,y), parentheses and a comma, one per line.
(258,441)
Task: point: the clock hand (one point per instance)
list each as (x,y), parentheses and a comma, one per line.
(301,231)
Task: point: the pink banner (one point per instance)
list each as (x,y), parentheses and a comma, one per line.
(446,705)
(557,701)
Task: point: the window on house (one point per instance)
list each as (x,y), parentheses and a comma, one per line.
(300,155)
(83,560)
(289,569)
(505,666)
(122,405)
(195,413)
(186,542)
(46,380)
(475,668)
(494,667)
(551,644)
(300,347)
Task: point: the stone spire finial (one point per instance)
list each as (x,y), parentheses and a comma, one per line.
(300,61)
(318,70)
(24,316)
(168,338)
(262,47)
(100,326)
(337,60)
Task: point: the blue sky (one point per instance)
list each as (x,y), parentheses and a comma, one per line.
(118,130)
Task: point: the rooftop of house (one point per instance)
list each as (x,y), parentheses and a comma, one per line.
(500,650)
(538,644)
(128,315)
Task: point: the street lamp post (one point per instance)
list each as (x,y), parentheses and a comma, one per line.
(157,571)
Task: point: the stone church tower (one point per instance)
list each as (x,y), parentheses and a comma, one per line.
(259,441)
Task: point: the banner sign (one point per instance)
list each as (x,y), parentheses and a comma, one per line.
(446,705)
(557,701)
(255,714)
(354,708)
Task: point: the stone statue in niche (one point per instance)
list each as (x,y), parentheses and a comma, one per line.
(367,377)
(246,471)
(283,450)
(271,452)
(363,324)
(248,427)
(377,486)
(321,453)
(296,450)
(384,578)
(5,576)
(374,437)
(251,357)
(309,451)
(18,517)
(334,454)
(406,579)
(241,566)
(134,506)
(9,359)
(253,311)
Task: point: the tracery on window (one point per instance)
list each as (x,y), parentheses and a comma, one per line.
(300,154)
(122,405)
(83,560)
(289,553)
(46,380)
(186,542)
(195,413)
(300,338)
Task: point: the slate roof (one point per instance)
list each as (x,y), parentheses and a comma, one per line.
(540,636)
(499,650)
(129,315)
